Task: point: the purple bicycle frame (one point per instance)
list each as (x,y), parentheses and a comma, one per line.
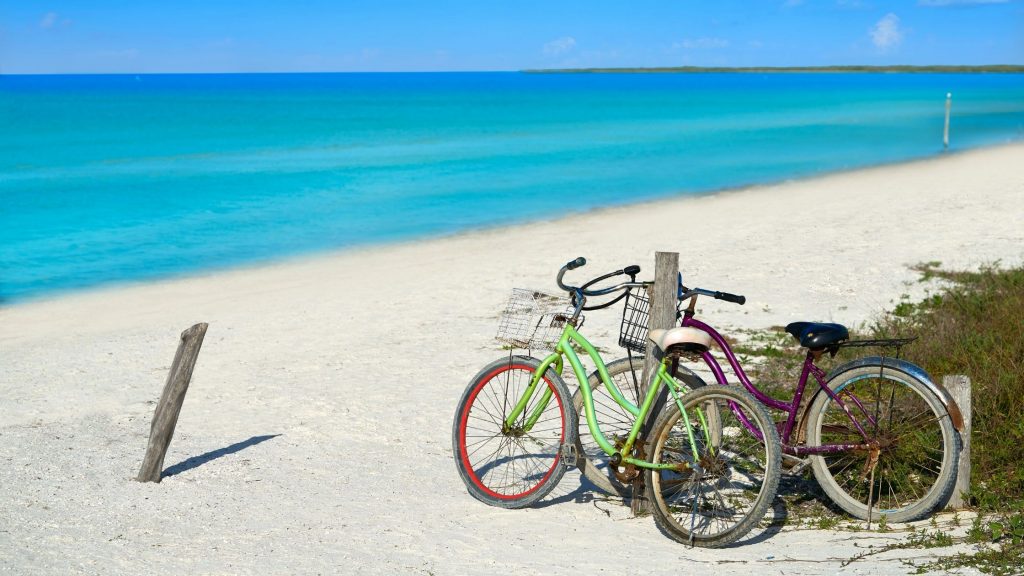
(791,408)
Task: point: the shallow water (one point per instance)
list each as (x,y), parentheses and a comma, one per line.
(112,178)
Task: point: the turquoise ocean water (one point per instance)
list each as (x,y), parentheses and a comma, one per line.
(113,178)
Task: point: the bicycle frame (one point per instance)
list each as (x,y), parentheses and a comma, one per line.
(565,348)
(792,408)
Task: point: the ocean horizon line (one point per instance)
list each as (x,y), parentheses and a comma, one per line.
(996,68)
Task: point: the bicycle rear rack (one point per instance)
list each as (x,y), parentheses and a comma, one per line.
(897,343)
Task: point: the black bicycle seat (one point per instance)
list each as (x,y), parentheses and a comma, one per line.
(817,335)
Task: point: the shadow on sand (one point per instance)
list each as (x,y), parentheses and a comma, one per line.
(585,493)
(197,461)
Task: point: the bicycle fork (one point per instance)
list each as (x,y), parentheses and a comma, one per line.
(510,426)
(519,423)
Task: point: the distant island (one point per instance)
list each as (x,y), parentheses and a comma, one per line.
(991,68)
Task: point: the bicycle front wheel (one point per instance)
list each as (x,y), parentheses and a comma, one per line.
(512,465)
(910,471)
(723,477)
(614,420)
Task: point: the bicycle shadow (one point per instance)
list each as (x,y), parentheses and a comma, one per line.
(780,513)
(197,461)
(795,493)
(585,493)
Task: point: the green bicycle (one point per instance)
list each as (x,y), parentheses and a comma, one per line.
(711,461)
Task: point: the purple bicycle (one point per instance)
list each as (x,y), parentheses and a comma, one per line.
(881,437)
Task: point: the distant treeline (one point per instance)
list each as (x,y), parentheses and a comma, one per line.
(992,68)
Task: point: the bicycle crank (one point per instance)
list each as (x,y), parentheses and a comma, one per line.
(628,473)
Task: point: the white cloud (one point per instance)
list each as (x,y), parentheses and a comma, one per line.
(49,19)
(701,44)
(887,33)
(560,46)
(52,19)
(958,2)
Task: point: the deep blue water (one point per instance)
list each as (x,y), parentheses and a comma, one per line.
(112,178)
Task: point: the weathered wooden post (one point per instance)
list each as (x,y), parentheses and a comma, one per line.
(662,315)
(167,410)
(959,387)
(945,130)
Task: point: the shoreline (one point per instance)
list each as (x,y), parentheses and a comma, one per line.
(316,434)
(400,242)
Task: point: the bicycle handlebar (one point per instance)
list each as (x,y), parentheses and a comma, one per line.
(571,265)
(581,261)
(736,298)
(685,293)
(632,271)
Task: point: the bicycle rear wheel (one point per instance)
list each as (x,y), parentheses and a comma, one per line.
(615,421)
(512,466)
(913,470)
(715,496)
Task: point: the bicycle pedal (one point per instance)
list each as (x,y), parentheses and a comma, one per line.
(568,454)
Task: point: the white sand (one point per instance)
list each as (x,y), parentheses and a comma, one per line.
(353,362)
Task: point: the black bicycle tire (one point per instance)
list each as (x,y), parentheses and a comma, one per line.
(752,410)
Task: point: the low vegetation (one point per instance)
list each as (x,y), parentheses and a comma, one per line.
(973,324)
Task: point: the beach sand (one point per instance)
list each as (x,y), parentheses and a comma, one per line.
(316,435)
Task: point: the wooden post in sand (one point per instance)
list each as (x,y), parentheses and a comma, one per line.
(959,387)
(167,410)
(662,315)
(945,130)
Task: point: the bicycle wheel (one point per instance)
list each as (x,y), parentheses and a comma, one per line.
(512,466)
(716,496)
(914,467)
(614,420)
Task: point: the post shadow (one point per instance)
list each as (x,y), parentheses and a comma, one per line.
(196,461)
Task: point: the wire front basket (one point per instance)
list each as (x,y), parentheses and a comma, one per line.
(636,313)
(635,318)
(534,320)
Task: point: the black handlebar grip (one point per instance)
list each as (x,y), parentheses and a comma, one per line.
(576,263)
(632,270)
(741,300)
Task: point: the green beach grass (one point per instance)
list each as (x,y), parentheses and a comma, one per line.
(974,325)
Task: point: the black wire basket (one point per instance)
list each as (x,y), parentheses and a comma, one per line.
(636,313)
(635,317)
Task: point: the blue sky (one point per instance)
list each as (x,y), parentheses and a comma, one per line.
(110,36)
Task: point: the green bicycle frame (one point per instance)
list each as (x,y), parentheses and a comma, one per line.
(565,348)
